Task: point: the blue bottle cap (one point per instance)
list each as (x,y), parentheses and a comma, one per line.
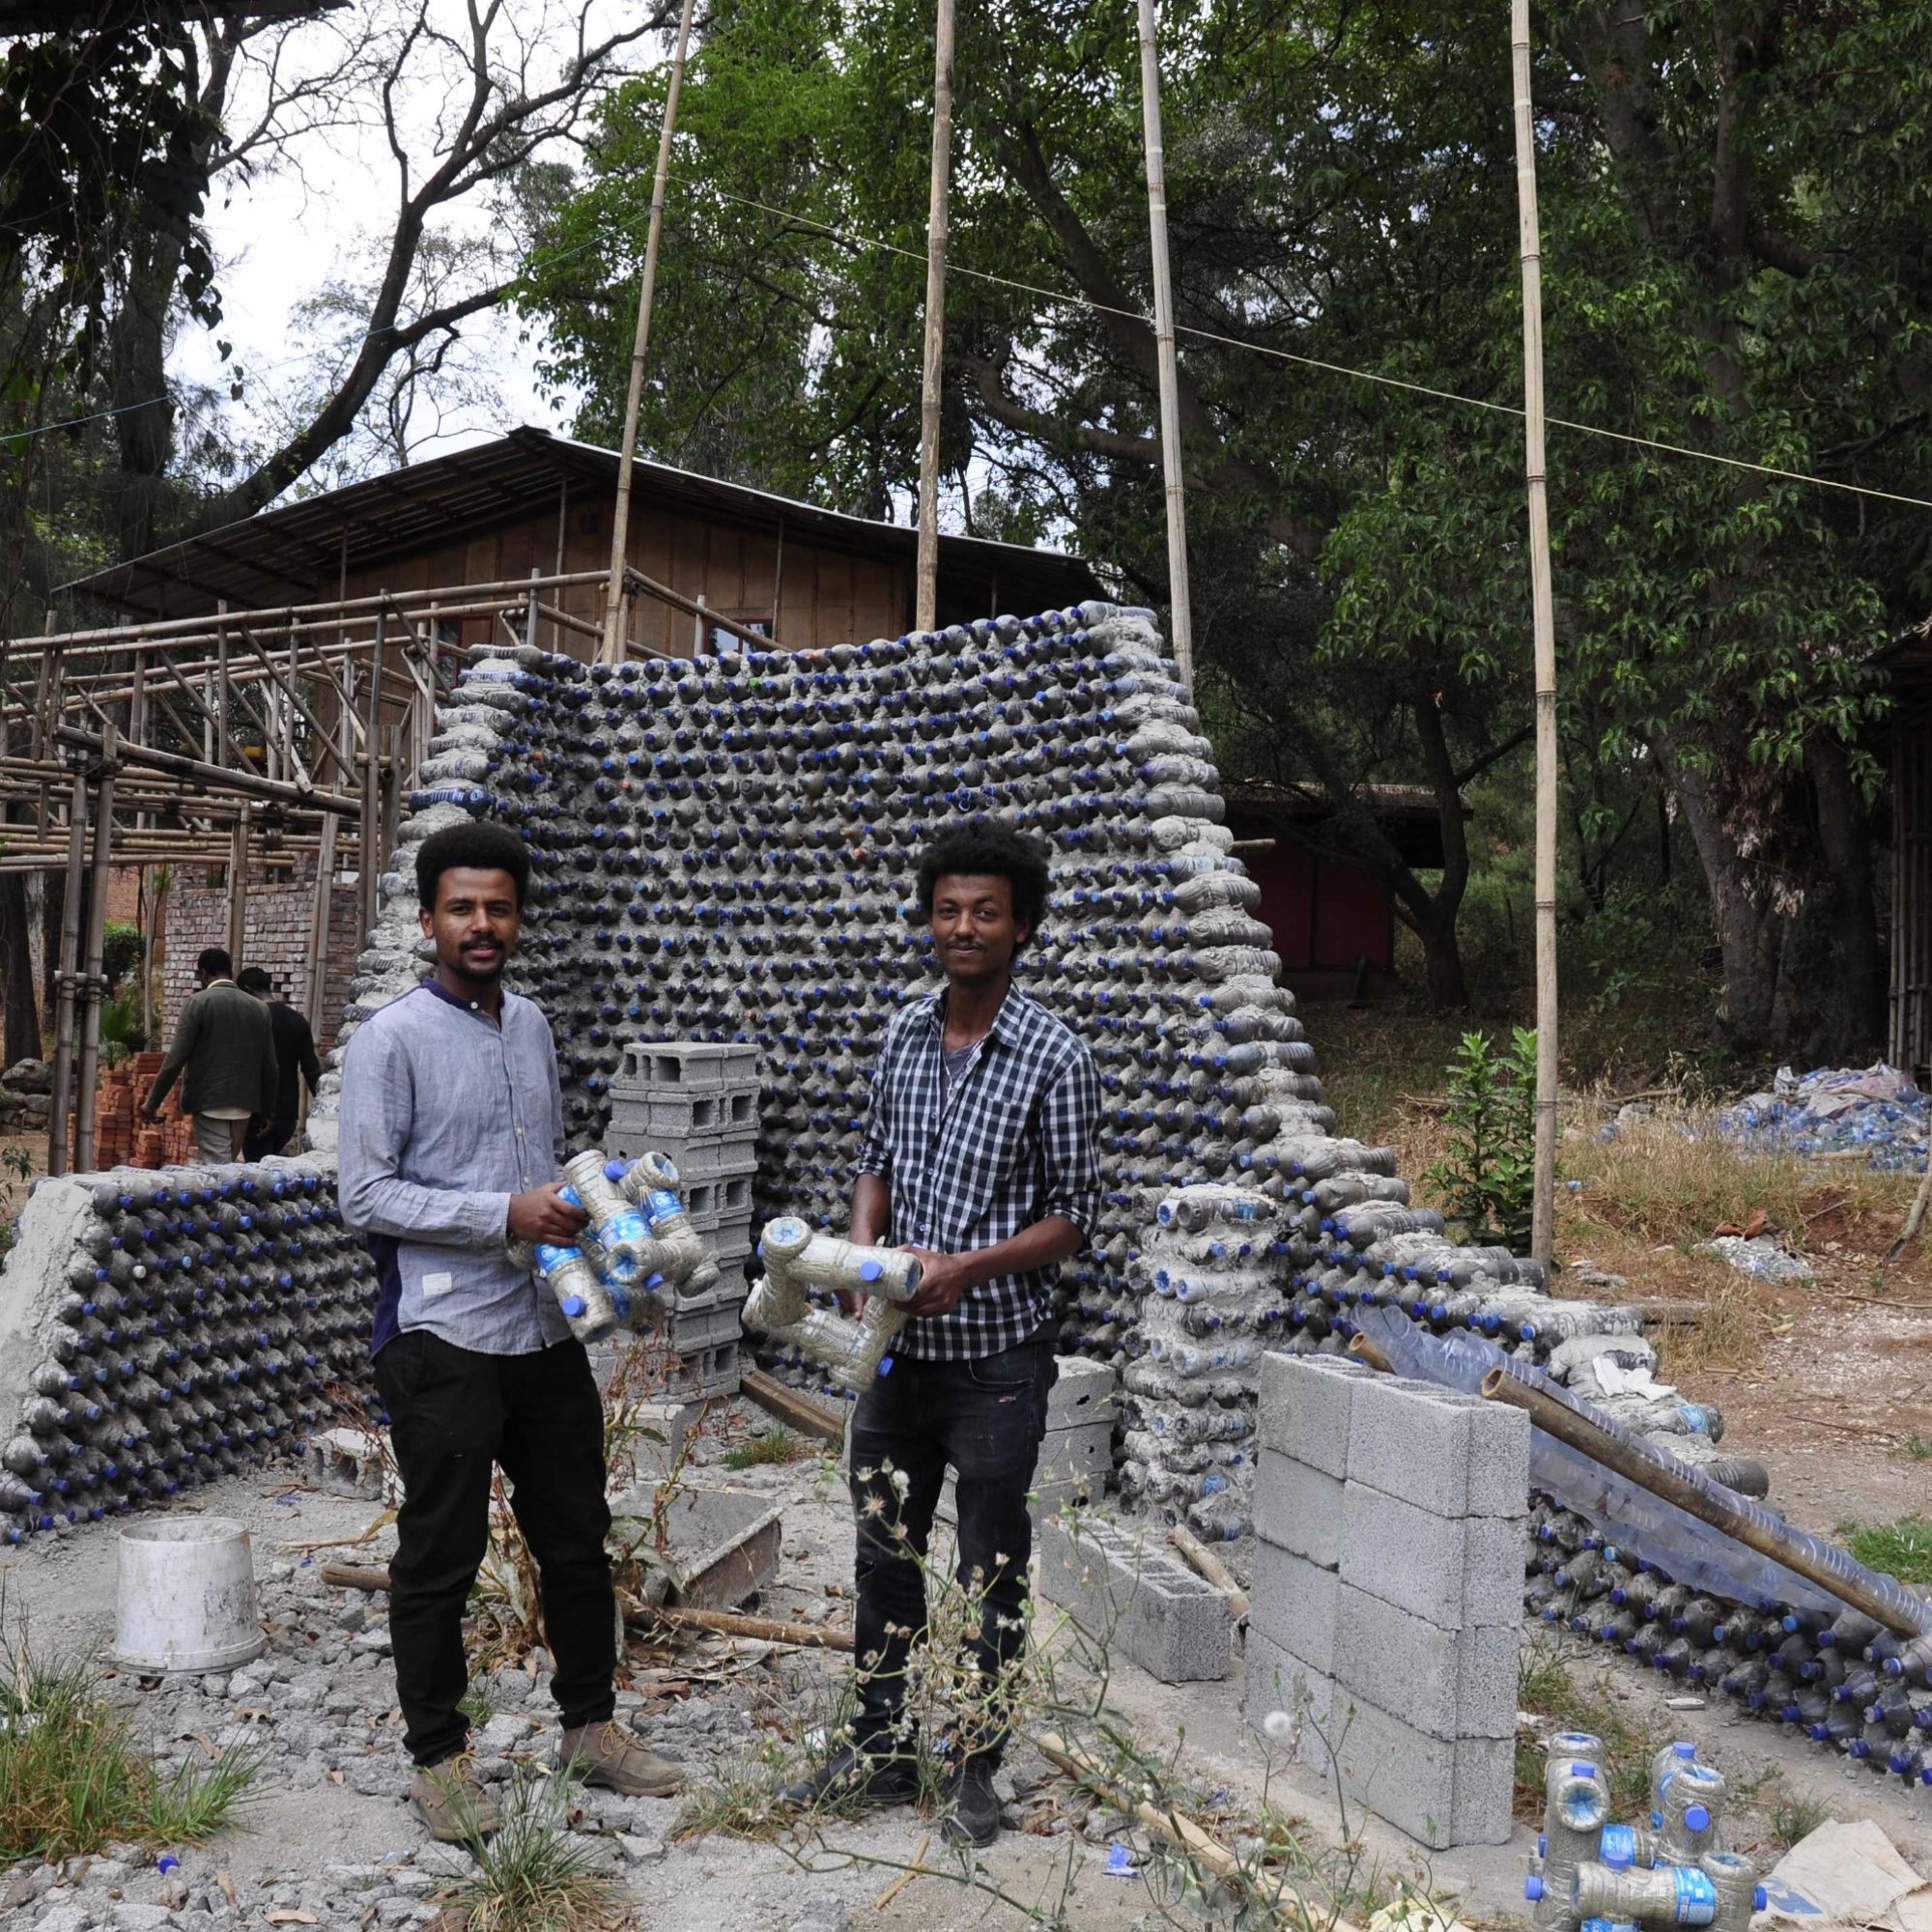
(1532,1887)
(870,1270)
(573,1304)
(1696,1818)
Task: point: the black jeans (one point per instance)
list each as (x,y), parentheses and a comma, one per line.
(452,1415)
(272,1139)
(985,1418)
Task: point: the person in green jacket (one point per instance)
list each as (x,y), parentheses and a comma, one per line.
(226,1043)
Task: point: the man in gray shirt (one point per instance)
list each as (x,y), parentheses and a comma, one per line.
(450,1139)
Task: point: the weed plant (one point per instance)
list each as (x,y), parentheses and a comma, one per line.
(74,1778)
(1901,1549)
(1484,1179)
(529,1877)
(764,1446)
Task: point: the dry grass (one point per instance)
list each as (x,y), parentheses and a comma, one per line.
(1731,1337)
(1655,1181)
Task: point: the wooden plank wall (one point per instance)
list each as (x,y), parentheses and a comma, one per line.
(829,597)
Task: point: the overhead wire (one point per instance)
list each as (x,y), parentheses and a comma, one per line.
(1219,339)
(1373,375)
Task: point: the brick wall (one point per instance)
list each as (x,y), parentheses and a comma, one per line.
(276,928)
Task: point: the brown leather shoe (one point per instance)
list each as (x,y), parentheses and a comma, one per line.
(620,1761)
(448,1799)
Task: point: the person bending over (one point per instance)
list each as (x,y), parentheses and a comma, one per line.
(450,1141)
(978,1155)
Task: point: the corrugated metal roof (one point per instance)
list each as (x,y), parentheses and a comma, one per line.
(292,552)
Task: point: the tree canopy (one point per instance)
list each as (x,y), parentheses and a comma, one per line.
(1734,232)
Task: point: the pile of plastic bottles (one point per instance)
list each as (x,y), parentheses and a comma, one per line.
(1836,1110)
(1589,1874)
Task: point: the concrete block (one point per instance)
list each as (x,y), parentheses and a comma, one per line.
(1083,1393)
(1082,1456)
(1305,1403)
(1411,1439)
(1453,1683)
(1292,1603)
(1450,1571)
(1274,1679)
(1298,1509)
(1441,1792)
(1160,1614)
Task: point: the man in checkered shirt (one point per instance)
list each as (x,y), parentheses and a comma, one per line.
(978,1156)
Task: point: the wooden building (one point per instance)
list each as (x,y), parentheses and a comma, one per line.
(1332,918)
(532,502)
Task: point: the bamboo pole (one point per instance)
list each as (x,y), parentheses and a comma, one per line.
(237,888)
(91,986)
(319,923)
(1543,618)
(246,784)
(369,835)
(1180,609)
(1745,1523)
(927,584)
(621,520)
(63,984)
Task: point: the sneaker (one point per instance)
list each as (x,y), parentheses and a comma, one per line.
(450,1802)
(619,1760)
(973,1806)
(854,1775)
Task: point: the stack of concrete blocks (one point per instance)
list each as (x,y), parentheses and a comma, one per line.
(1128,1590)
(1387,1600)
(1076,1454)
(697,1103)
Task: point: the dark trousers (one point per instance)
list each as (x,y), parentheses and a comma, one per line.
(452,1414)
(272,1139)
(985,1418)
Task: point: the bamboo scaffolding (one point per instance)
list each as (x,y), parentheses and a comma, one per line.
(91,985)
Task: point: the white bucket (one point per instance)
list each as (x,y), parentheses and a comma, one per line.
(186,1598)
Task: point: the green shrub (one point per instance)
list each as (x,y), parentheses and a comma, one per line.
(1485,1180)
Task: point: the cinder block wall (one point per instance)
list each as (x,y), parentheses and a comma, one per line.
(276,925)
(1387,1600)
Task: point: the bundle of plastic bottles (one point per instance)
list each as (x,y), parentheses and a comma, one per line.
(638,1247)
(1876,1110)
(191,1327)
(802,1273)
(1590,1873)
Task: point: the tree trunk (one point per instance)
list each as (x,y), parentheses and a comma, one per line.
(22,1024)
(1852,1000)
(1750,931)
(1442,962)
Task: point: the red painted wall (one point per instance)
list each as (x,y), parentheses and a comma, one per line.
(1324,915)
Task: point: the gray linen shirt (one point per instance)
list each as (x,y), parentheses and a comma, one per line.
(444,1115)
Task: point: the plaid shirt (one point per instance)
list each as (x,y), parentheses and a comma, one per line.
(1011,1144)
